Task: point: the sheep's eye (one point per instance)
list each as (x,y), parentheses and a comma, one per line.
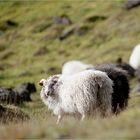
(52,84)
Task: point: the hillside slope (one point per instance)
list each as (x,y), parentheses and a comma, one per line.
(100,33)
(37,37)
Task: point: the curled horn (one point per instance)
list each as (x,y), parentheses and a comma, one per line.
(42,81)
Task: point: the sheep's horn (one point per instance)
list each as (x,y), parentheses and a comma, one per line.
(41,83)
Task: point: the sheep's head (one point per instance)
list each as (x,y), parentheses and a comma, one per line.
(49,86)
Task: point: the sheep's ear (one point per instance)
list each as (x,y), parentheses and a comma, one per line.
(56,81)
(56,77)
(42,82)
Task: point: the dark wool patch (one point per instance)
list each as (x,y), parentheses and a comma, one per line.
(121,88)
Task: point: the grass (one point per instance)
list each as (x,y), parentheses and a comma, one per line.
(42,125)
(103,41)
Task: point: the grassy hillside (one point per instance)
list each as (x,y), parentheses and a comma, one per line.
(101,31)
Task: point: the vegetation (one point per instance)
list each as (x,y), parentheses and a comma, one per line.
(99,32)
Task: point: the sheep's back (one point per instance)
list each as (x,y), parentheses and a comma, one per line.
(80,91)
(72,67)
(120,87)
(134,60)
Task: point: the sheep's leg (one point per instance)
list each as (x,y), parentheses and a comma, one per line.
(83,117)
(59,119)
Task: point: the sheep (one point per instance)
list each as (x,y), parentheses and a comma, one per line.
(125,66)
(137,74)
(121,88)
(8,96)
(74,66)
(134,60)
(18,94)
(25,90)
(86,93)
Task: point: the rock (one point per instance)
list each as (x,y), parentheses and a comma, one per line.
(42,26)
(129,4)
(25,90)
(77,30)
(53,33)
(125,66)
(11,23)
(8,96)
(7,24)
(81,29)
(62,20)
(12,114)
(66,33)
(50,22)
(41,51)
(95,18)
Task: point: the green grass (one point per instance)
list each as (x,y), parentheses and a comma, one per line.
(104,41)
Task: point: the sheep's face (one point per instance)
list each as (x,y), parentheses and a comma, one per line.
(49,86)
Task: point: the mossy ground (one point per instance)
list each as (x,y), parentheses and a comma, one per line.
(103,42)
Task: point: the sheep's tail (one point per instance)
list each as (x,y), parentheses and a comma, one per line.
(104,96)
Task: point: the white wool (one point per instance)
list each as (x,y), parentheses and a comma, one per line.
(134,60)
(84,94)
(72,67)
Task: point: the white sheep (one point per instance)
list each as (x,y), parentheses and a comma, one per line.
(86,93)
(74,66)
(134,60)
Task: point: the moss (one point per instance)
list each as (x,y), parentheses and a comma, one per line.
(113,34)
